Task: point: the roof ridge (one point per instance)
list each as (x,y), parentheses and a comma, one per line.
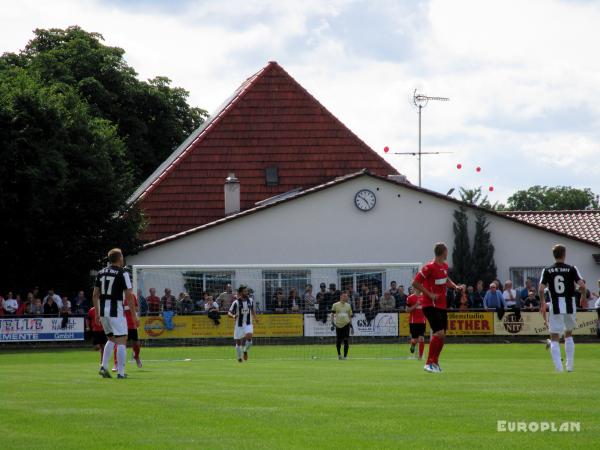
(197,135)
(562,211)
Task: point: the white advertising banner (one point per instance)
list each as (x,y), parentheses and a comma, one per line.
(384,324)
(532,324)
(41,329)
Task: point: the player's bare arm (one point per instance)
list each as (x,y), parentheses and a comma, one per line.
(130,301)
(253,312)
(418,286)
(96,302)
(542,294)
(582,292)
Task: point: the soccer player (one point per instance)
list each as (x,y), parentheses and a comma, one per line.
(341,317)
(432,280)
(110,285)
(243,311)
(417,322)
(561,279)
(132,334)
(98,336)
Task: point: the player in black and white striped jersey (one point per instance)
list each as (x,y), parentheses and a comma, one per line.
(561,281)
(242,310)
(111,286)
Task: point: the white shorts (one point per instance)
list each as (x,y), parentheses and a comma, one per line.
(559,323)
(240,332)
(115,326)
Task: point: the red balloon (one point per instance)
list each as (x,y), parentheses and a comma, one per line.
(478,169)
(386,149)
(491,188)
(459,166)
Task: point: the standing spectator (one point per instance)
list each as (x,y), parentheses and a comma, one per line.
(168,302)
(363,299)
(22,305)
(186,306)
(28,305)
(280,305)
(388,302)
(510,295)
(478,295)
(54,296)
(37,309)
(80,304)
(212,308)
(153,303)
(401,298)
(308,298)
(470,295)
(143,303)
(225,298)
(463,300)
(51,307)
(493,299)
(331,297)
(372,307)
(395,292)
(294,301)
(524,293)
(320,311)
(352,296)
(65,312)
(10,305)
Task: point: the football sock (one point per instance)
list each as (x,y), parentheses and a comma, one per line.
(555,352)
(101,354)
(136,350)
(346,346)
(438,349)
(121,357)
(108,351)
(432,349)
(570,351)
(248,345)
(421,349)
(338,345)
(238,350)
(115,359)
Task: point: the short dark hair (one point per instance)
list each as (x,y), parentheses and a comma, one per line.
(241,288)
(559,251)
(439,248)
(114,255)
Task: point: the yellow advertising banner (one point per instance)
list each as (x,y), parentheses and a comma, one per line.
(532,324)
(200,326)
(459,324)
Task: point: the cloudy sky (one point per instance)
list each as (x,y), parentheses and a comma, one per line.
(523,77)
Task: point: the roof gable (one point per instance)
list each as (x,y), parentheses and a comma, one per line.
(271,120)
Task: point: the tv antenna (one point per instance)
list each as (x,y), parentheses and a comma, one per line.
(420,101)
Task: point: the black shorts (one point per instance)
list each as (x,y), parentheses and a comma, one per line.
(437,318)
(416,330)
(132,334)
(342,333)
(99,338)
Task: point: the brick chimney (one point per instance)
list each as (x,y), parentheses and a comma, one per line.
(232,195)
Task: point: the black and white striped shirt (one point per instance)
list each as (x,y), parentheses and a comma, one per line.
(561,280)
(242,308)
(112,281)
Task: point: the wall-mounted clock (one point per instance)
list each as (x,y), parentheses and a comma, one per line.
(365,200)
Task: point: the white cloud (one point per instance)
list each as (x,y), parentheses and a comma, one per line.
(522,76)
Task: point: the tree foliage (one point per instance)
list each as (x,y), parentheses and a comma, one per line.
(78,131)
(484,265)
(544,198)
(462,264)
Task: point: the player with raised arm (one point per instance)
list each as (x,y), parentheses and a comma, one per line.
(111,286)
(341,317)
(416,321)
(432,280)
(242,310)
(561,280)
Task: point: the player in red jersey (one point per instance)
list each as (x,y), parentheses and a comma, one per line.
(132,333)
(417,322)
(432,280)
(98,337)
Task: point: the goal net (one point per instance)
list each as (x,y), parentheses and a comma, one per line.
(186,306)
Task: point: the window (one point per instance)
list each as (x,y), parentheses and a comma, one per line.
(519,275)
(285,280)
(356,278)
(271,176)
(197,283)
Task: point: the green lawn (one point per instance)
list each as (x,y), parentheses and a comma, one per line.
(55,399)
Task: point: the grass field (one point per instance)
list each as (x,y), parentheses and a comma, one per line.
(55,399)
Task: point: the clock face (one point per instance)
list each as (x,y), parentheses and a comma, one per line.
(365,200)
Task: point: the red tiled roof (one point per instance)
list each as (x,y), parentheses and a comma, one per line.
(352,176)
(584,224)
(269,121)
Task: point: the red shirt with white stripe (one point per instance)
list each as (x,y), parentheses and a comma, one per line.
(92,318)
(128,316)
(416,315)
(434,278)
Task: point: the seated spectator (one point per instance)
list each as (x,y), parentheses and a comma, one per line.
(212,308)
(478,295)
(401,298)
(280,304)
(450,299)
(168,303)
(493,299)
(532,301)
(226,298)
(320,306)
(463,302)
(65,312)
(394,291)
(22,306)
(308,298)
(50,307)
(510,295)
(28,304)
(294,301)
(10,305)
(37,308)
(470,294)
(143,303)
(80,304)
(524,292)
(387,302)
(186,306)
(54,296)
(153,303)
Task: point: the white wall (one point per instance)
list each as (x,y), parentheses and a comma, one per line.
(326,228)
